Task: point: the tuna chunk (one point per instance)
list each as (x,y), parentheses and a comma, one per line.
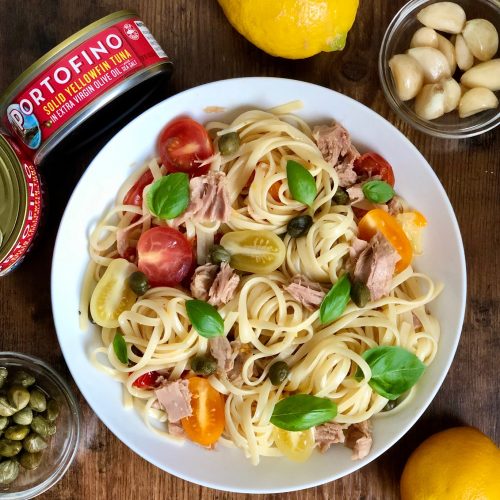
(334,142)
(224,286)
(241,352)
(175,399)
(175,429)
(306,292)
(209,199)
(202,280)
(327,434)
(375,266)
(220,349)
(358,437)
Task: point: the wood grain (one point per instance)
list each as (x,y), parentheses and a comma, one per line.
(205,48)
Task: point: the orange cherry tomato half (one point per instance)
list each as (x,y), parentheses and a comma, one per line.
(206,424)
(371,165)
(183,145)
(378,220)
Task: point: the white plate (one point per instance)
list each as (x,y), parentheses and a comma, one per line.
(228,469)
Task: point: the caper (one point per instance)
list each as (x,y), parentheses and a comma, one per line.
(34,443)
(17,432)
(23,417)
(391,404)
(203,365)
(229,143)
(4,373)
(138,283)
(30,461)
(6,409)
(341,197)
(52,411)
(9,448)
(298,226)
(23,378)
(41,426)
(278,372)
(218,254)
(360,294)
(4,422)
(38,402)
(9,470)
(19,396)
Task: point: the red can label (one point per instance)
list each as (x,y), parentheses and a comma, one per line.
(31,218)
(78,78)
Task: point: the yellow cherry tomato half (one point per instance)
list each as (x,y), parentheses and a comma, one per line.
(297,446)
(379,220)
(112,295)
(413,224)
(257,252)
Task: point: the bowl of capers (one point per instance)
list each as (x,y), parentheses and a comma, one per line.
(39,426)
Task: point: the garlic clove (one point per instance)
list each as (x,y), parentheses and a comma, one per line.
(432,61)
(463,55)
(447,48)
(429,103)
(477,100)
(443,16)
(408,76)
(452,94)
(485,74)
(481,38)
(424,37)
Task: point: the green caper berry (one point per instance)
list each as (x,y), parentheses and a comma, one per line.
(18,396)
(229,143)
(17,432)
(218,254)
(41,426)
(278,372)
(34,443)
(30,461)
(390,405)
(6,409)
(52,411)
(360,294)
(38,401)
(23,378)
(299,226)
(51,429)
(9,470)
(341,197)
(4,422)
(4,373)
(203,365)
(138,283)
(9,448)
(23,417)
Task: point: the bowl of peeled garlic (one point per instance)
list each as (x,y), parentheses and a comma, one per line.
(439,66)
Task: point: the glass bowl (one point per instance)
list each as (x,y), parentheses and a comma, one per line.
(57,457)
(397,41)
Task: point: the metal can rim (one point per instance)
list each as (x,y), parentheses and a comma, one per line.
(65,46)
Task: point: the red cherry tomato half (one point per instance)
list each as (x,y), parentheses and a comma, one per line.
(372,164)
(183,145)
(165,256)
(147,381)
(134,194)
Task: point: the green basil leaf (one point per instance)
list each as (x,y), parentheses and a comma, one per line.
(335,300)
(168,197)
(205,318)
(394,370)
(302,411)
(300,183)
(120,348)
(378,191)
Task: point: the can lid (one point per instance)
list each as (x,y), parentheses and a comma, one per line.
(13,194)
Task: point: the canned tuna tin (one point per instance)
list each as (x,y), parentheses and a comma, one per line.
(77,78)
(21,205)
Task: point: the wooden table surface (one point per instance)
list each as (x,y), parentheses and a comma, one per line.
(205,48)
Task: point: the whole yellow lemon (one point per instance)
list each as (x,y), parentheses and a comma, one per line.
(457,464)
(294,29)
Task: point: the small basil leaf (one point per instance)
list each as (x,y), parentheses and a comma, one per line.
(378,191)
(302,411)
(335,300)
(120,348)
(394,370)
(300,183)
(168,197)
(205,318)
